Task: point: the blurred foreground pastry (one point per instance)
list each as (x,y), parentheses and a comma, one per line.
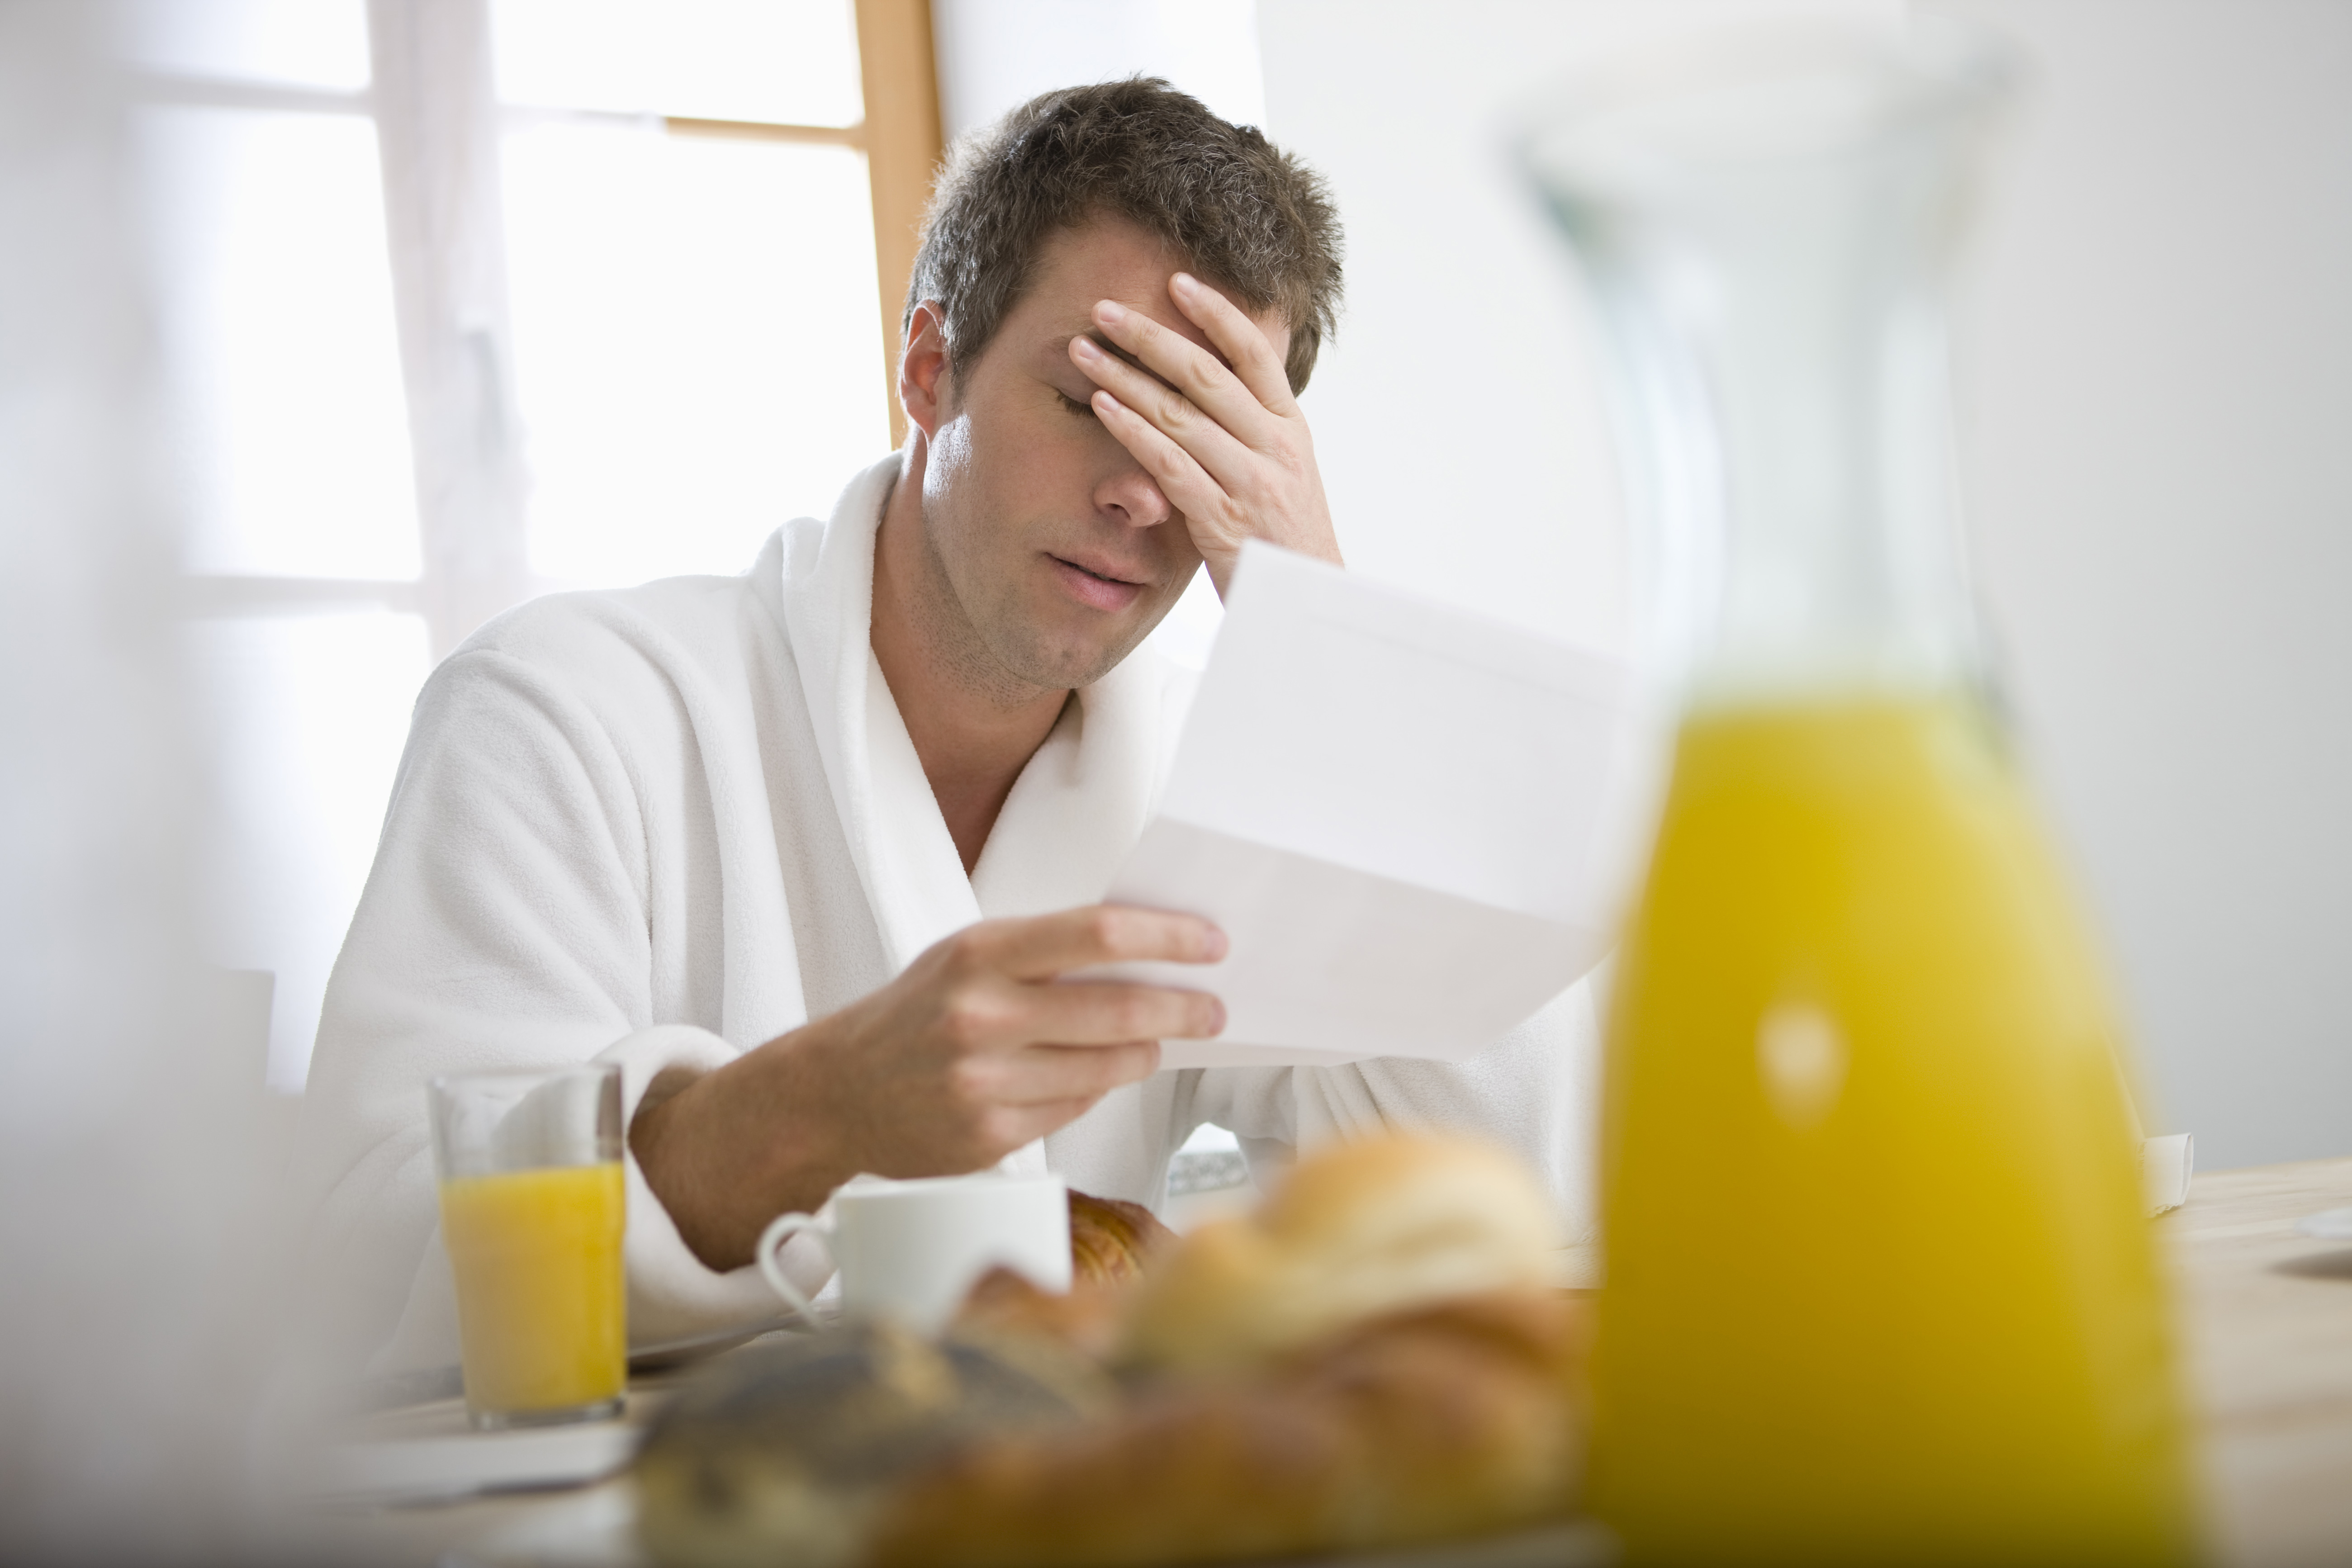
(785,1451)
(1437,1424)
(1374,1358)
(1356,1230)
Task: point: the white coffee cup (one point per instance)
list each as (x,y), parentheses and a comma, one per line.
(911,1251)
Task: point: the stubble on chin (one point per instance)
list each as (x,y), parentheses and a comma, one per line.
(993,647)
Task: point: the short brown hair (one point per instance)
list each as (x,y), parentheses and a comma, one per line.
(1246,215)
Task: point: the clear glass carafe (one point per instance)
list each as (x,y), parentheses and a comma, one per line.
(1881,1284)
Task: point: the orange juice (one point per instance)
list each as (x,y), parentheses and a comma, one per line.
(1880,1283)
(539,1287)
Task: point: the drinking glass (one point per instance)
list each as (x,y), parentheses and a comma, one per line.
(531,1211)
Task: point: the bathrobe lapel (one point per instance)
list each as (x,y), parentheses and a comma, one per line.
(1072,814)
(906,862)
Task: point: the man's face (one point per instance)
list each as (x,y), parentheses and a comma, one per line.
(1059,550)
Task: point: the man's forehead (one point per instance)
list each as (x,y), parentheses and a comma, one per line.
(1111,258)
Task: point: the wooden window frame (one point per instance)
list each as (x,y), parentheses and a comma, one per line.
(903,149)
(901,138)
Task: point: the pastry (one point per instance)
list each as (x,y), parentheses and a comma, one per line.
(1356,1230)
(1435,1424)
(1112,1241)
(1373,1359)
(781,1452)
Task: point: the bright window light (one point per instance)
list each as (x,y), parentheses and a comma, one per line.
(311,714)
(699,357)
(280,333)
(1211,1139)
(791,61)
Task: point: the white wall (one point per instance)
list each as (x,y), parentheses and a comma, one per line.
(994,54)
(2158,417)
(2158,405)
(1457,415)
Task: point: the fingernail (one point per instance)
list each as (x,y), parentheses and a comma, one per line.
(1110,310)
(1216,1017)
(1084,348)
(1185,283)
(1216,945)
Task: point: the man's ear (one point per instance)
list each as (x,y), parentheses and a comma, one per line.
(925,388)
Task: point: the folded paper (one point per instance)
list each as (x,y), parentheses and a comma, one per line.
(1394,808)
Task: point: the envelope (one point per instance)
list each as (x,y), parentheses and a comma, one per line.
(1396,809)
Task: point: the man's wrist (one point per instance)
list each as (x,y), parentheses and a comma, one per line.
(727,1150)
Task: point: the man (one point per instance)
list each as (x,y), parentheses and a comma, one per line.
(808,851)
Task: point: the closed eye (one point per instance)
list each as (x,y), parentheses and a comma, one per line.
(1071,405)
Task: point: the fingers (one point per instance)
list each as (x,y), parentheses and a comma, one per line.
(992,1016)
(1046,945)
(1008,1127)
(1246,348)
(1190,488)
(1051,1075)
(1214,438)
(1190,370)
(1108,1012)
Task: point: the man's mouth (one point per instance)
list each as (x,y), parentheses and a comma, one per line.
(1094,586)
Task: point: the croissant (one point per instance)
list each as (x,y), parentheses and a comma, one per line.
(1112,1241)
(1356,1230)
(783,1452)
(1373,1359)
(1432,1424)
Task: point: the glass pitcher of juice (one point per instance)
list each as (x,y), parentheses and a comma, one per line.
(1881,1286)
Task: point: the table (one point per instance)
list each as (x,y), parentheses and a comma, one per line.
(2267,1320)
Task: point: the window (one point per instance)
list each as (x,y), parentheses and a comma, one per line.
(466,300)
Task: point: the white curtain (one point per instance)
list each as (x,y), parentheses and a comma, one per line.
(436,117)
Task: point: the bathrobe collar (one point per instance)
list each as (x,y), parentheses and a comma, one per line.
(1073,814)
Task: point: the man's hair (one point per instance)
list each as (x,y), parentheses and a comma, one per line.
(1243,214)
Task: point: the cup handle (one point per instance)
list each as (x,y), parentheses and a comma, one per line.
(781,1230)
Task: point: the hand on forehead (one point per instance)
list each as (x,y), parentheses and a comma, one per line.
(1119,261)
(1090,327)
(1196,390)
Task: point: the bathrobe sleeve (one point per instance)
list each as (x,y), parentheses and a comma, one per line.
(1533,1093)
(505,925)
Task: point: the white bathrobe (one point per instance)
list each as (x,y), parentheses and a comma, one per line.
(663,825)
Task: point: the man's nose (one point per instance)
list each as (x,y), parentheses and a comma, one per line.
(1132,497)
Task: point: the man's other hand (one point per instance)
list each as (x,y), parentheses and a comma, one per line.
(1223,438)
(980,1047)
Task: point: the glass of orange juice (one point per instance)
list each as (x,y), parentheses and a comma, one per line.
(531,1206)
